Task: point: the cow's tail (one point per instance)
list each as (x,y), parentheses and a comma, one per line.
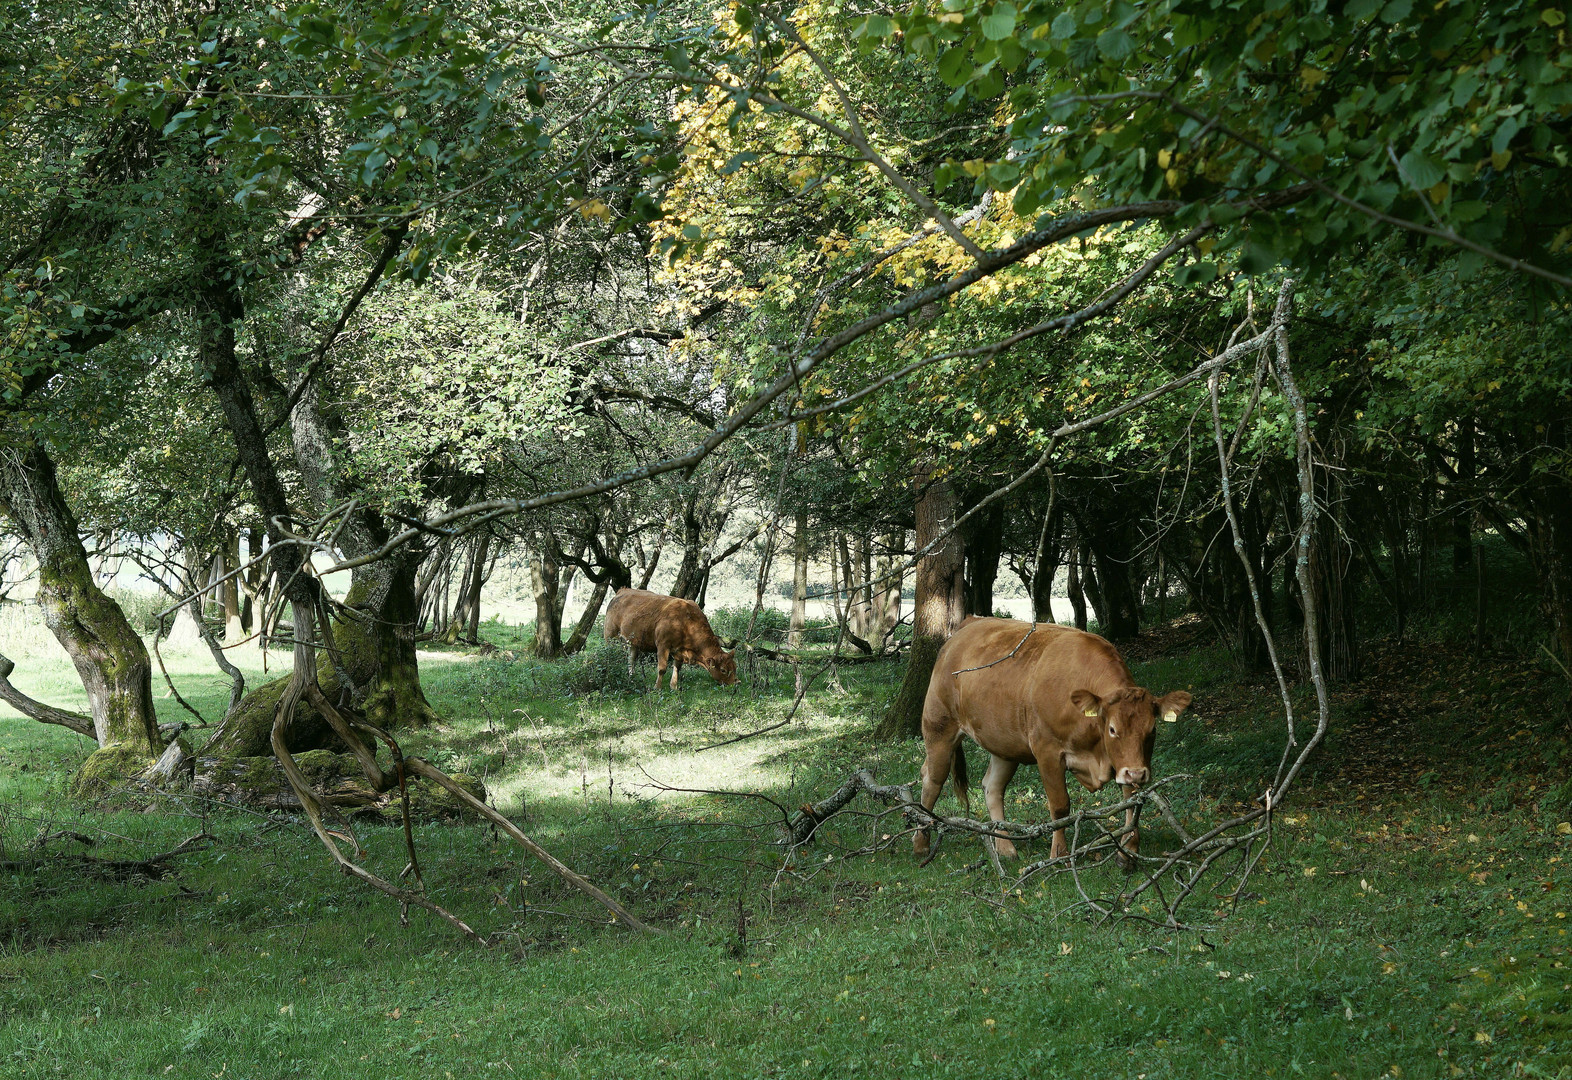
(958,769)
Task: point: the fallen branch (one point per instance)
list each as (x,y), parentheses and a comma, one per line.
(153,868)
(1096,831)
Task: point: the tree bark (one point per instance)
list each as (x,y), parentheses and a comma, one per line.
(544,581)
(894,582)
(799,586)
(1112,587)
(940,604)
(984,542)
(1073,585)
(233,630)
(476,582)
(108,655)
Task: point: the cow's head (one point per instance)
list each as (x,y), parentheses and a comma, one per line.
(722,667)
(1128,721)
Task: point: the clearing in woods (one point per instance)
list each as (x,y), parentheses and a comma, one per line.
(1409,919)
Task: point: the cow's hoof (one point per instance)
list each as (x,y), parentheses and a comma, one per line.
(920,845)
(1005,849)
(1127,862)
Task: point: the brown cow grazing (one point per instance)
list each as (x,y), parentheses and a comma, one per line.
(1064,701)
(676,631)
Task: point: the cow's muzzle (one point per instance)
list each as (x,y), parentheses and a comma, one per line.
(1133,777)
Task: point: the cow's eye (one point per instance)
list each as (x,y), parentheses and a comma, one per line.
(1112,732)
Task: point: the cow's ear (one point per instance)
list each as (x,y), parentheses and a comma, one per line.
(1089,703)
(1171,704)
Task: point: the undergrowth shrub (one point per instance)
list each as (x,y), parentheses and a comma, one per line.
(601,668)
(732,622)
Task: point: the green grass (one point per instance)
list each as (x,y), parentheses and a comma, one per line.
(1395,927)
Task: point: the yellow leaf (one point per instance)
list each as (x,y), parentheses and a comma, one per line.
(594,208)
(1483,1037)
(1501,159)
(1206,244)
(1164,158)
(1309,77)
(975,167)
(1172,176)
(1439,193)
(1564,828)
(1552,17)
(951,17)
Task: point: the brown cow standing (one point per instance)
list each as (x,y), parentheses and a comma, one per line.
(674,630)
(1064,701)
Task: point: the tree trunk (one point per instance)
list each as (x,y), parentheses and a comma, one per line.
(799,588)
(1480,609)
(1552,558)
(649,567)
(1073,585)
(460,612)
(183,631)
(107,653)
(233,631)
(690,571)
(894,583)
(581,632)
(476,581)
(940,604)
(1462,516)
(1112,587)
(543,578)
(859,604)
(984,542)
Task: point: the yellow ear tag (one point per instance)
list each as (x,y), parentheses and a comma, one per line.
(1091,712)
(1170,717)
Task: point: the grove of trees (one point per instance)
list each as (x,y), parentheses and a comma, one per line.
(929,294)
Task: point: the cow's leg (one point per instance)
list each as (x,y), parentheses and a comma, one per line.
(1000,771)
(1052,770)
(1131,841)
(676,669)
(633,654)
(661,656)
(941,738)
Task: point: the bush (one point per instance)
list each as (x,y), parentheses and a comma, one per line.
(732,622)
(142,608)
(601,668)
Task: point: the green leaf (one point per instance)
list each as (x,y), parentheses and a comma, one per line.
(1420,171)
(875,26)
(1504,134)
(955,67)
(1396,11)
(1256,259)
(1115,44)
(1000,23)
(1064,26)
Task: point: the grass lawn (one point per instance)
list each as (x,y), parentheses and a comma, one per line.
(1409,919)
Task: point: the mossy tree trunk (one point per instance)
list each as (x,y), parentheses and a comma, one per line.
(108,655)
(939,604)
(379,653)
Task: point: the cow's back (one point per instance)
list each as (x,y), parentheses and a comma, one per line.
(998,681)
(634,615)
(648,620)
